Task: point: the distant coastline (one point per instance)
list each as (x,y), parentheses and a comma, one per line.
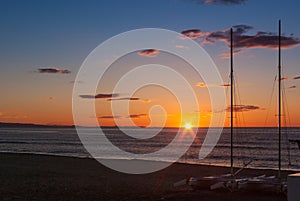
(29,125)
(32,125)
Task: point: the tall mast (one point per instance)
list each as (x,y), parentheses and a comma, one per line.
(231,101)
(279,99)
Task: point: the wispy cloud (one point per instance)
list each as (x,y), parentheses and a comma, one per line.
(124,98)
(99,96)
(133,116)
(293,87)
(136,116)
(219,2)
(181,47)
(201,84)
(12,116)
(110,117)
(226,55)
(225,85)
(53,70)
(284,78)
(148,52)
(224,2)
(193,33)
(243,108)
(78,82)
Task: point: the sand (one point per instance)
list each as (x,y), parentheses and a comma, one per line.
(42,177)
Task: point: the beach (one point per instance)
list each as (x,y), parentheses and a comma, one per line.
(44,177)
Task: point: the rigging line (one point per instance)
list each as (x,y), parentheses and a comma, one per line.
(286,116)
(270,101)
(242,122)
(240,101)
(226,109)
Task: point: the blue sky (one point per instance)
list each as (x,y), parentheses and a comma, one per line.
(61,34)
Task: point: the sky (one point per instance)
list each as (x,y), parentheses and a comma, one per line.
(44,43)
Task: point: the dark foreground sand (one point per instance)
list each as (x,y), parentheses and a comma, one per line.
(39,177)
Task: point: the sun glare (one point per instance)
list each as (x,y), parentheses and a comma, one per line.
(188,126)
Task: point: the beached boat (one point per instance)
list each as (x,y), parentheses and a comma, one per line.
(232,181)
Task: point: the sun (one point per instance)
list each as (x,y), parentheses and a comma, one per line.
(188,126)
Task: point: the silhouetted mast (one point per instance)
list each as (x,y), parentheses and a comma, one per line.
(231,101)
(279,99)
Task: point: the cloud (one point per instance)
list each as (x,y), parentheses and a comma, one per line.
(242,39)
(125,98)
(220,2)
(12,116)
(78,82)
(181,47)
(261,39)
(293,87)
(53,70)
(226,55)
(110,117)
(225,85)
(296,78)
(135,116)
(201,84)
(284,78)
(148,52)
(243,108)
(146,100)
(193,33)
(99,96)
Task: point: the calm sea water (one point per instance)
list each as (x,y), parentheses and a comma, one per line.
(256,144)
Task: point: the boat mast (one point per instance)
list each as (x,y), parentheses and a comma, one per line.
(231,101)
(279,99)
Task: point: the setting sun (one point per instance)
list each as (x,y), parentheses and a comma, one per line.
(188,126)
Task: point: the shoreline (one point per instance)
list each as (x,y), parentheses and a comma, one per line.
(155,161)
(44,177)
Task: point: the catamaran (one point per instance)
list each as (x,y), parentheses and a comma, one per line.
(231,180)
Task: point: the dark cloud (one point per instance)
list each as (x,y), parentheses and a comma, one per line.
(99,96)
(220,2)
(110,117)
(292,87)
(296,78)
(242,39)
(261,39)
(243,108)
(148,52)
(125,98)
(135,116)
(53,70)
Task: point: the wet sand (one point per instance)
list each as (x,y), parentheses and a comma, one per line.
(41,177)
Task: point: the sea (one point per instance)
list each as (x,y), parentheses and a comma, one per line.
(256,146)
